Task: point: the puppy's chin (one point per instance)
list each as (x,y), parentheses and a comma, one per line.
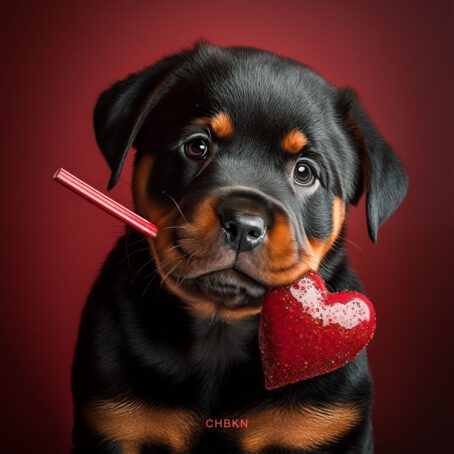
(230,287)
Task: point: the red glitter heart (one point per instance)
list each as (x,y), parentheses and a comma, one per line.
(306,331)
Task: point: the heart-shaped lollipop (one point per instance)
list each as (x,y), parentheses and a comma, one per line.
(307,331)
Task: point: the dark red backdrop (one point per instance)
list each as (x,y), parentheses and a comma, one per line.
(57,57)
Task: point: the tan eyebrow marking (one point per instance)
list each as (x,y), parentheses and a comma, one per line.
(294,141)
(221,124)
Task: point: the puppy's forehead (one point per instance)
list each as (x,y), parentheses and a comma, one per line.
(263,91)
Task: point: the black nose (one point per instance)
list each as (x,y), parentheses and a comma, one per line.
(242,231)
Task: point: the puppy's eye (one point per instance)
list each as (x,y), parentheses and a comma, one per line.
(303,174)
(197,148)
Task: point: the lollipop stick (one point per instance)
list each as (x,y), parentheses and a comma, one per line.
(89,193)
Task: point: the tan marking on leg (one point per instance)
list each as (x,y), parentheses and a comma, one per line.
(294,141)
(298,428)
(132,424)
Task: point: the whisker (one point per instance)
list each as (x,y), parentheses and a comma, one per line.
(352,243)
(138,241)
(178,206)
(187,260)
(182,280)
(153,275)
(192,255)
(158,268)
(171,270)
(130,254)
(213,318)
(162,264)
(175,227)
(306,254)
(126,247)
(141,268)
(146,287)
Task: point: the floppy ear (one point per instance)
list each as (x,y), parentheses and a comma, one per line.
(122,109)
(382,175)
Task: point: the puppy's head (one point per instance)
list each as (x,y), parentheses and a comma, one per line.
(247,162)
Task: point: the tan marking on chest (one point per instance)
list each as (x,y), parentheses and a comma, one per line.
(299,428)
(132,424)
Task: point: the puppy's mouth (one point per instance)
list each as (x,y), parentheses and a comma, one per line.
(231,259)
(230,286)
(210,270)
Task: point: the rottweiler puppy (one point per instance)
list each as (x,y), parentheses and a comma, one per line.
(247,162)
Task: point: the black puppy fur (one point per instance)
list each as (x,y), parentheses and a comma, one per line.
(137,340)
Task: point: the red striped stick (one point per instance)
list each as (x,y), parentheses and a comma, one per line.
(105,203)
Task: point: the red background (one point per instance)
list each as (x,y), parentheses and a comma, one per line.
(57,58)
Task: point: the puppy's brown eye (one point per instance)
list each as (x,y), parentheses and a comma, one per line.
(197,148)
(303,174)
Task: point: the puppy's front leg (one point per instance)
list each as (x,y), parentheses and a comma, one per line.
(86,442)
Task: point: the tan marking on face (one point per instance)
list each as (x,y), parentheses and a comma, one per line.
(294,141)
(283,263)
(284,267)
(204,224)
(140,180)
(299,428)
(221,124)
(319,248)
(201,306)
(132,424)
(234,315)
(210,309)
(281,278)
(161,247)
(201,121)
(280,248)
(162,251)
